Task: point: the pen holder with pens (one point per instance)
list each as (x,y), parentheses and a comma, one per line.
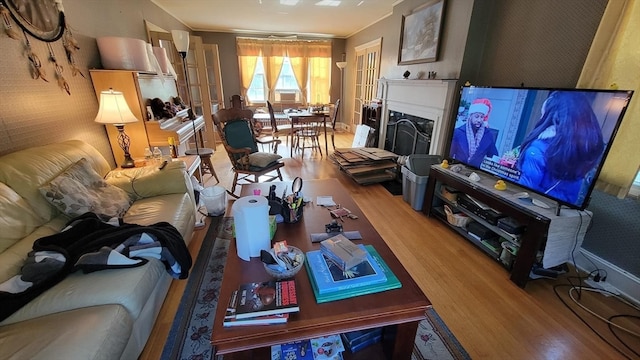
(292,212)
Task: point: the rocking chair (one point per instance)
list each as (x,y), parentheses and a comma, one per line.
(235,130)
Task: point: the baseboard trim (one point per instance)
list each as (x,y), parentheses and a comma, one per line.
(626,283)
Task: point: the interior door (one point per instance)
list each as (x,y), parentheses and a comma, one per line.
(366,76)
(214,77)
(205,81)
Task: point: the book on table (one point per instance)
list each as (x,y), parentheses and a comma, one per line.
(266,298)
(329,276)
(392,282)
(230,319)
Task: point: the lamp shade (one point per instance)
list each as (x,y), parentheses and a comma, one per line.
(114,109)
(180,40)
(341,64)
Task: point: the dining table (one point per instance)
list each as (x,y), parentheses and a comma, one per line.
(297,117)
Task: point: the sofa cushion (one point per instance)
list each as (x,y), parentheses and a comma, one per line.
(172,208)
(130,287)
(79,189)
(262,159)
(92,333)
(12,258)
(18,218)
(26,170)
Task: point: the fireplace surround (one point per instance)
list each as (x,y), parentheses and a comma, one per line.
(426,105)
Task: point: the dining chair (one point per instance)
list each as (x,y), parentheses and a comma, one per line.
(332,123)
(277,129)
(239,140)
(308,137)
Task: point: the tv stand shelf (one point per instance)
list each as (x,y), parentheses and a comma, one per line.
(555,234)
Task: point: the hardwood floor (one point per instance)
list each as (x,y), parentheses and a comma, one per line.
(490,316)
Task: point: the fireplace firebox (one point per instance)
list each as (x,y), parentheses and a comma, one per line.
(408,134)
(415,115)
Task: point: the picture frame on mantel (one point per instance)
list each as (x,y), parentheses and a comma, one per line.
(420,33)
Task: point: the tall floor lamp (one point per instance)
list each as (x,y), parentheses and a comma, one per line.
(341,65)
(115,111)
(181,42)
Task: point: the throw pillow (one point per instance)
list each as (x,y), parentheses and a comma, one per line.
(262,159)
(79,189)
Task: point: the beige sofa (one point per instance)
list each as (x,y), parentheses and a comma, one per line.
(106,314)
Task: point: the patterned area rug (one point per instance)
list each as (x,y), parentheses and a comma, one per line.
(191,330)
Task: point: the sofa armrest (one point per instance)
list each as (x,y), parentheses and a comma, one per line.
(150,181)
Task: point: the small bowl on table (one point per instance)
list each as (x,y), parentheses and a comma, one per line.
(297,257)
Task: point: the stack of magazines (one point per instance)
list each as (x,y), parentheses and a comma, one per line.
(262,303)
(330,282)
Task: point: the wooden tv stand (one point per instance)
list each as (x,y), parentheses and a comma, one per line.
(536,224)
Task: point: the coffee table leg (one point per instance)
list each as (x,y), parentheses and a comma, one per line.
(399,339)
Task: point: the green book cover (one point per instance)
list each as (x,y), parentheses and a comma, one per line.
(391,283)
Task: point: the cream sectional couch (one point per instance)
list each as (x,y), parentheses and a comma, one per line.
(106,314)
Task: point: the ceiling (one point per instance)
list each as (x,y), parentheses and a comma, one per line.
(321,18)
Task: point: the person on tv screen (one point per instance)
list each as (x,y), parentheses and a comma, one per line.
(474,140)
(563,148)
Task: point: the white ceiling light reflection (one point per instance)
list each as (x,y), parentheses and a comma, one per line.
(328,3)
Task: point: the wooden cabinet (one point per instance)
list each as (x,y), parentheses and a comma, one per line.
(545,234)
(138,88)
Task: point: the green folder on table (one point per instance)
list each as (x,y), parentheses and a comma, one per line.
(391,283)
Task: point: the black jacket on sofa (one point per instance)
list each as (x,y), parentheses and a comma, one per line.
(85,244)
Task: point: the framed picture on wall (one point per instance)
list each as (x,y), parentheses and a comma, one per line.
(420,34)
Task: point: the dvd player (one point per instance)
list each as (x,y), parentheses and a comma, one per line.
(480,209)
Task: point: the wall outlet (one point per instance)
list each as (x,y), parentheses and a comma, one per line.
(347,127)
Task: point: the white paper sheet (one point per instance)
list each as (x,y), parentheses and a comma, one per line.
(325,201)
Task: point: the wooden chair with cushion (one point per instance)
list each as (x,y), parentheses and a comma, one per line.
(238,138)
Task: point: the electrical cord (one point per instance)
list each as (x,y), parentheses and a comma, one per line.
(609,293)
(616,335)
(555,290)
(578,288)
(133,187)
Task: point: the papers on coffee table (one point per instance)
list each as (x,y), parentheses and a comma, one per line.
(325,201)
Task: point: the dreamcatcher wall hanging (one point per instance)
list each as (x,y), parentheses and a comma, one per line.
(43,20)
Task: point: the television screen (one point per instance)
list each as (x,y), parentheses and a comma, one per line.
(551,141)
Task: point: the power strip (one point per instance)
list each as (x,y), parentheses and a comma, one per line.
(603,285)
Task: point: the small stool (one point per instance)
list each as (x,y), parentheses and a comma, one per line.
(205,161)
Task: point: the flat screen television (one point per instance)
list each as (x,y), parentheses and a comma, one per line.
(550,141)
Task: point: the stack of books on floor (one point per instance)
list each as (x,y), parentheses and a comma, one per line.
(334,276)
(322,348)
(262,303)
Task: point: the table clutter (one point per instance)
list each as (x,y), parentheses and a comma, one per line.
(282,261)
(342,251)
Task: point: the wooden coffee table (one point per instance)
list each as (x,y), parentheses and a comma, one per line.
(398,311)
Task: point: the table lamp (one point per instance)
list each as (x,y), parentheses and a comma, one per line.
(114,110)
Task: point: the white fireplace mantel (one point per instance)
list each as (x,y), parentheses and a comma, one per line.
(429,99)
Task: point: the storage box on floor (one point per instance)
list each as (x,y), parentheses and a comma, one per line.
(415,174)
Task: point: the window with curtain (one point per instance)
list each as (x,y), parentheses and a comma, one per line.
(286,84)
(285,70)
